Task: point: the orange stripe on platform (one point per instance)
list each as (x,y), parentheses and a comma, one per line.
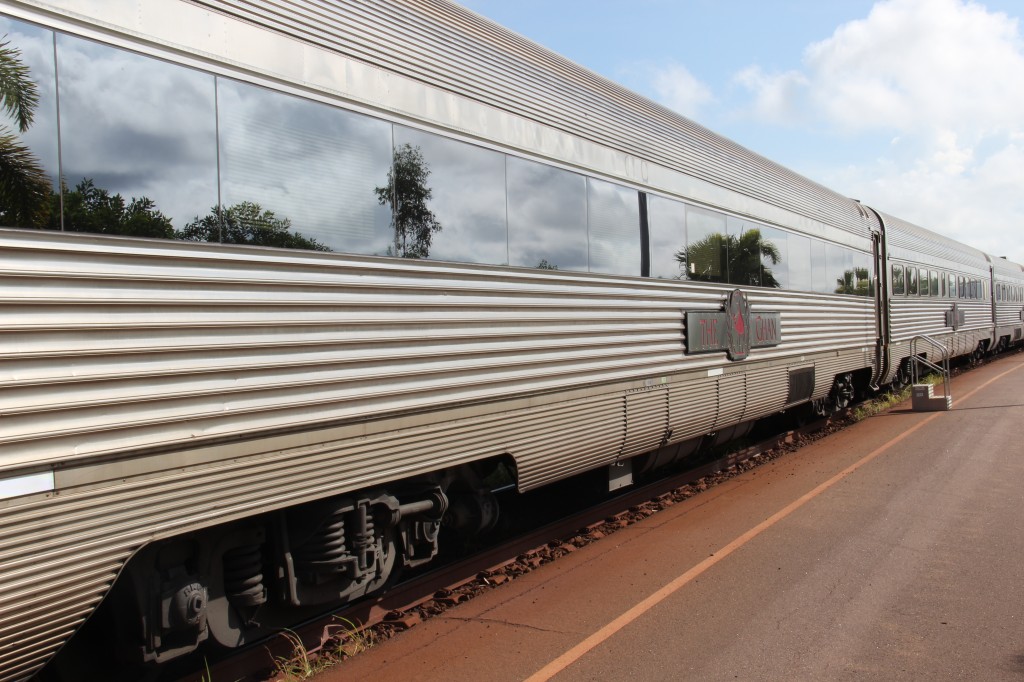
(594,640)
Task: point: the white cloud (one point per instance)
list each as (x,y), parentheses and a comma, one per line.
(778,97)
(678,89)
(943,82)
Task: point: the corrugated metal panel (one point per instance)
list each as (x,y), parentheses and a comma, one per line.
(908,241)
(693,408)
(767,390)
(1012,271)
(139,345)
(646,421)
(453,49)
(732,398)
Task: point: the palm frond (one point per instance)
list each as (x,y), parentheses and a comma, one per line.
(24,186)
(19,95)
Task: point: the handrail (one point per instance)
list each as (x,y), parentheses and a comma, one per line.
(915,359)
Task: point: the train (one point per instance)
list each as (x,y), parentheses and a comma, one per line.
(290,288)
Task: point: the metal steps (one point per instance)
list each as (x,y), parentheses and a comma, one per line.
(922,397)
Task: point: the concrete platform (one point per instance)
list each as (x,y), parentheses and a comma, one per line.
(890,551)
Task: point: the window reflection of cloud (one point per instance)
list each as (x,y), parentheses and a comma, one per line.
(667,225)
(36,46)
(799,264)
(138,127)
(547,210)
(314,164)
(614,224)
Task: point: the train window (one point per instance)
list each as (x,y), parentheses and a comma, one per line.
(320,173)
(35,46)
(960,287)
(898,287)
(465,190)
(547,216)
(924,283)
(934,277)
(839,264)
(862,268)
(799,263)
(767,254)
(819,270)
(705,245)
(666,221)
(951,289)
(613,217)
(912,281)
(942,284)
(118,124)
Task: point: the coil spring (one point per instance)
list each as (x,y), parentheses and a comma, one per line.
(243,576)
(326,548)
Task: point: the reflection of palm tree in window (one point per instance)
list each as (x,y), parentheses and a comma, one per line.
(24,187)
(719,258)
(854,282)
(407,194)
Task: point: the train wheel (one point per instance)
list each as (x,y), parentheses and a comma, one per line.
(843,392)
(901,379)
(838,398)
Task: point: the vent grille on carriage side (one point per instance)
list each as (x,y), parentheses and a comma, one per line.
(801,385)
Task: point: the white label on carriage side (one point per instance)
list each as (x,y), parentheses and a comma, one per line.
(716,372)
(26,485)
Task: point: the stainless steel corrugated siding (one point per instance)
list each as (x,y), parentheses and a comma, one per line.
(114,347)
(451,48)
(1012,271)
(912,316)
(906,240)
(1008,314)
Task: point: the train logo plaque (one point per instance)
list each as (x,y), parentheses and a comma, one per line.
(735,329)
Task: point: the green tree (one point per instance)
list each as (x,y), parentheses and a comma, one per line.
(24,186)
(247,223)
(407,193)
(89,208)
(854,282)
(740,260)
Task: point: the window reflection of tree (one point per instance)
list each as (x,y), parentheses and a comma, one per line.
(854,282)
(723,257)
(247,223)
(89,208)
(407,193)
(24,187)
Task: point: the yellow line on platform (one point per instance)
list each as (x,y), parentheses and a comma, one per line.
(591,642)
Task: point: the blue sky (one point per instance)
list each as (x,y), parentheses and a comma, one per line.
(916,107)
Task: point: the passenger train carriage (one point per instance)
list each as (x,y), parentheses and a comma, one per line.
(318,275)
